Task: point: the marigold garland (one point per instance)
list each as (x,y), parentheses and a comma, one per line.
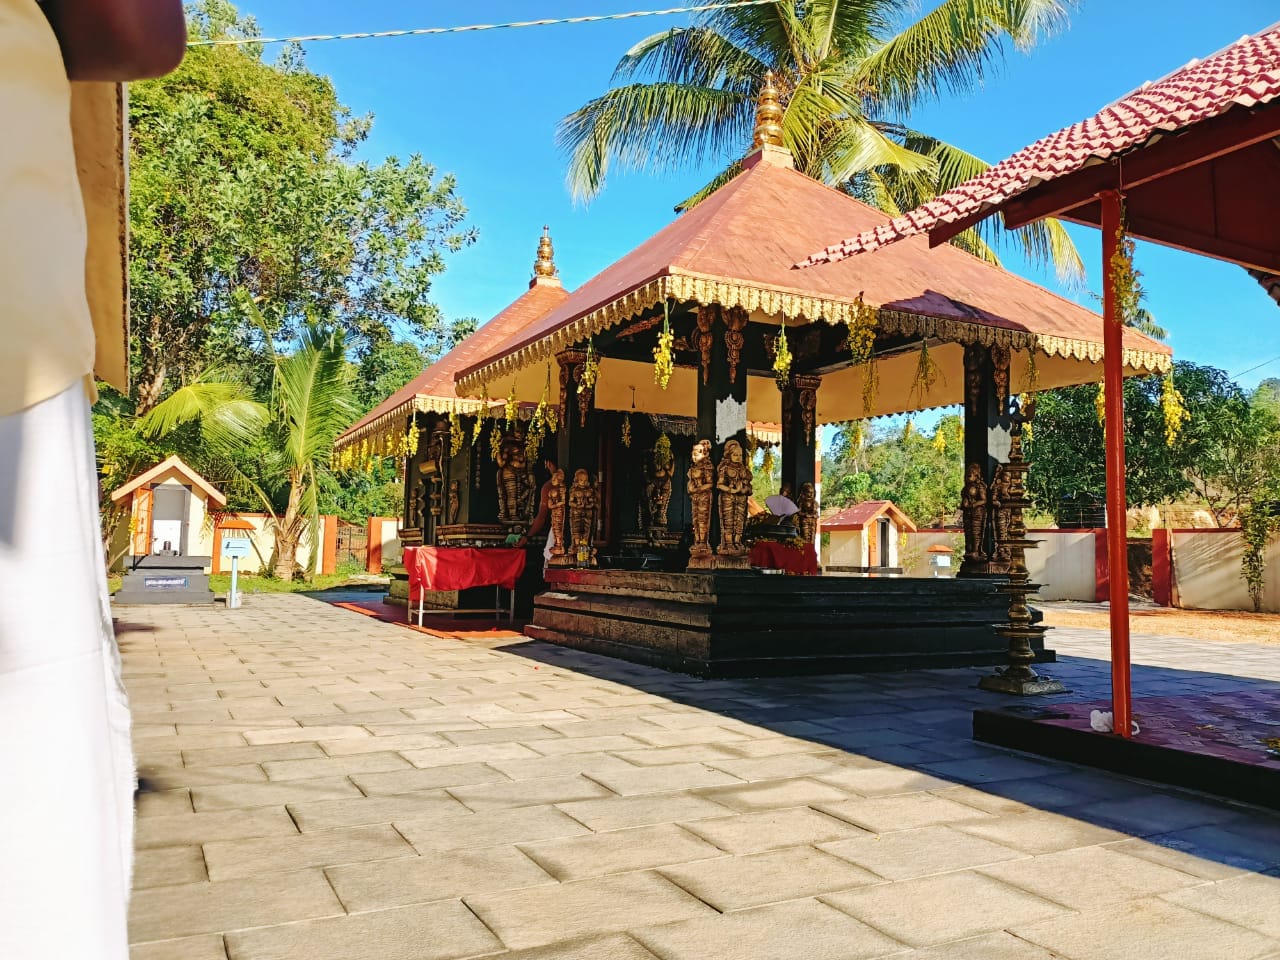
(782,359)
(662,456)
(663,355)
(511,411)
(1124,278)
(870,385)
(767,465)
(590,369)
(927,372)
(455,433)
(862,331)
(495,439)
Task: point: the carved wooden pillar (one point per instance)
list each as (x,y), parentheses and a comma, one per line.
(577,446)
(800,432)
(722,392)
(986,450)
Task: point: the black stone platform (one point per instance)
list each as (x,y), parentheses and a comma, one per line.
(746,624)
(1037,729)
(165,580)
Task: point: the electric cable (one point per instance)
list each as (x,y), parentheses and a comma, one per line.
(434,31)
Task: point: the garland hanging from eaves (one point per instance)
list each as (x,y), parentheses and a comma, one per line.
(862,325)
(663,355)
(782,359)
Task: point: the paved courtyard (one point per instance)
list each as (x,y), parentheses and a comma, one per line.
(323,786)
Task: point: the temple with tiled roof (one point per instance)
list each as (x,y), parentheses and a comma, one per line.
(708,326)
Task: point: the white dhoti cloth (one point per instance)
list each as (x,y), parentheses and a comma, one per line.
(66,762)
(546,550)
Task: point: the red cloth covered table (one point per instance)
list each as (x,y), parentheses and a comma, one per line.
(457,568)
(779,556)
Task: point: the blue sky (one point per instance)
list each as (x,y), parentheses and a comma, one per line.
(484,106)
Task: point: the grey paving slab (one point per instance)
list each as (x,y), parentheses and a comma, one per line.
(1251,900)
(663,779)
(259,856)
(1039,831)
(991,946)
(771,829)
(906,854)
(1089,877)
(434,931)
(317,815)
(528,793)
(317,769)
(803,930)
(187,948)
(771,794)
(236,796)
(545,915)
(521,824)
(433,778)
(791,873)
(901,811)
(164,866)
(617,813)
(636,848)
(950,906)
(1166,931)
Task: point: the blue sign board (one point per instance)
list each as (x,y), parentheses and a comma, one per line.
(235,546)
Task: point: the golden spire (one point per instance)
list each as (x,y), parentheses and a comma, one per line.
(768,116)
(545,265)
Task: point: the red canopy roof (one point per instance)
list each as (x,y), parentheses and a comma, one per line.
(737,246)
(434,387)
(1223,96)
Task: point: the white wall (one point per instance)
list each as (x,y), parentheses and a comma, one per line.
(263,537)
(844,549)
(1063,562)
(1206,570)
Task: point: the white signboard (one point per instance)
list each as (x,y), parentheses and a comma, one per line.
(235,547)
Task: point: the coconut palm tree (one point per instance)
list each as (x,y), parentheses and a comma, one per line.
(291,434)
(850,73)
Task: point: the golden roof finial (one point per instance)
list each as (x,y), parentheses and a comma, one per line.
(768,115)
(545,265)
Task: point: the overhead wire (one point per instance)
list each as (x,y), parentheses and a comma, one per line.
(472,28)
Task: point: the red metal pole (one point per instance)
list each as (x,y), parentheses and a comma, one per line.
(1117,532)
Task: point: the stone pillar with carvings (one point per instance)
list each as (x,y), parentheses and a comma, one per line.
(722,398)
(986,447)
(800,431)
(577,441)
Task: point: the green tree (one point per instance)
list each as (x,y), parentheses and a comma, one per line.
(243,189)
(921,474)
(850,74)
(290,435)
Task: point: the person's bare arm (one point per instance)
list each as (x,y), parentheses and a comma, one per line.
(118,40)
(540,520)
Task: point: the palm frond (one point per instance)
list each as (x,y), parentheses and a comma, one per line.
(694,55)
(313,396)
(858,147)
(227,414)
(652,126)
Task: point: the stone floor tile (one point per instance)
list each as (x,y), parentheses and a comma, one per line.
(1252,901)
(198,828)
(776,746)
(319,815)
(1184,860)
(397,742)
(230,756)
(516,825)
(770,794)
(771,829)
(556,748)
(167,778)
(803,930)
(906,854)
(1090,877)
(285,770)
(689,753)
(304,734)
(161,803)
(165,913)
(1039,831)
(992,946)
(163,866)
(544,915)
(900,812)
(619,851)
(990,769)
(475,753)
(617,813)
(1157,813)
(616,946)
(959,905)
(432,778)
(187,948)
(1163,931)
(882,781)
(243,795)
(663,779)
(565,765)
(528,793)
(737,883)
(436,875)
(1254,846)
(690,735)
(434,931)
(258,856)
(775,768)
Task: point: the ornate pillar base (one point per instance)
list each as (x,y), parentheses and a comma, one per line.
(702,561)
(1002,682)
(733,561)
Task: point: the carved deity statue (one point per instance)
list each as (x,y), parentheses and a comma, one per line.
(455,501)
(701,482)
(973,504)
(513,477)
(807,518)
(582,517)
(733,481)
(658,494)
(999,495)
(705,340)
(556,500)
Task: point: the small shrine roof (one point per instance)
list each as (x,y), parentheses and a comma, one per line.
(860,515)
(1243,76)
(171,465)
(433,390)
(737,247)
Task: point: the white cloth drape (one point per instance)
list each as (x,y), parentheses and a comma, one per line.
(66,763)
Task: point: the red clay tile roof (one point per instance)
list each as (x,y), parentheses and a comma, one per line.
(859,515)
(1245,74)
(436,381)
(738,245)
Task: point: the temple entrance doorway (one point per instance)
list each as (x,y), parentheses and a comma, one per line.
(883,534)
(169,519)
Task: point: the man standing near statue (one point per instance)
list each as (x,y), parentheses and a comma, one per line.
(67,842)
